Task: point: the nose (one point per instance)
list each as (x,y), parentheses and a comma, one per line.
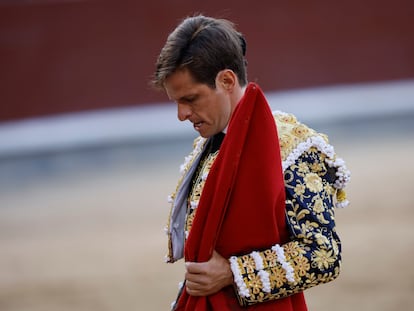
(183,112)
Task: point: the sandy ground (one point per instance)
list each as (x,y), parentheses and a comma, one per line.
(92,238)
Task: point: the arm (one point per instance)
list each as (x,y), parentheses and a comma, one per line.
(313,254)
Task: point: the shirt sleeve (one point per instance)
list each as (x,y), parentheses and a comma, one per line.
(313,254)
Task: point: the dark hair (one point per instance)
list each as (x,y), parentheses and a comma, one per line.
(204,46)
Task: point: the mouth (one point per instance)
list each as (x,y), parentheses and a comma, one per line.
(197,125)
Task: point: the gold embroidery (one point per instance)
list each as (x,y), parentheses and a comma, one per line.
(197,188)
(314,252)
(291,133)
(189,160)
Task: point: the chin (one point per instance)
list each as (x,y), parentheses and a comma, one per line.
(206,135)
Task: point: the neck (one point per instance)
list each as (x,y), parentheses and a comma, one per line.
(236,98)
(238,95)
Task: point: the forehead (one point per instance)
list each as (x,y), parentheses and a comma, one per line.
(180,84)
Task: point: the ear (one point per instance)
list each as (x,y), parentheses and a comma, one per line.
(226,79)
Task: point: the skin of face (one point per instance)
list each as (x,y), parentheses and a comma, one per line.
(207,108)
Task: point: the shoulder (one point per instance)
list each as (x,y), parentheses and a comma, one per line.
(292,133)
(298,141)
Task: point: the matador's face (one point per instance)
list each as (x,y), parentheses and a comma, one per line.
(208,109)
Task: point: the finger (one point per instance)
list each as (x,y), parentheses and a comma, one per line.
(196,278)
(195,267)
(191,285)
(192,292)
(194,289)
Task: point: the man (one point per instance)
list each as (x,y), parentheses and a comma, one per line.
(253,214)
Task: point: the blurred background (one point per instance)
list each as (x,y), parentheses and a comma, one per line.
(89,152)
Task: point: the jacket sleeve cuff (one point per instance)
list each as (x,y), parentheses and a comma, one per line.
(252,274)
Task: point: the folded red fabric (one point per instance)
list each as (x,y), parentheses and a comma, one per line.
(242,207)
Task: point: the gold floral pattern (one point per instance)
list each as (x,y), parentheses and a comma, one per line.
(314,250)
(277,276)
(300,130)
(291,132)
(195,193)
(198,146)
(313,182)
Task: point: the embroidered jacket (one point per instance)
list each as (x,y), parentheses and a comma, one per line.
(314,182)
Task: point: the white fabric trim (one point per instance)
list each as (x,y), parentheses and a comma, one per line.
(180,286)
(194,204)
(238,279)
(187,160)
(290,276)
(204,176)
(264,277)
(257,260)
(343,174)
(342,204)
(282,113)
(314,141)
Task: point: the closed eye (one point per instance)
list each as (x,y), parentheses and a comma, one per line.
(189,99)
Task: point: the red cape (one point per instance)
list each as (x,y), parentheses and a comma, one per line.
(242,206)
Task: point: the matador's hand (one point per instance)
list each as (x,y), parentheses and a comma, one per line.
(206,278)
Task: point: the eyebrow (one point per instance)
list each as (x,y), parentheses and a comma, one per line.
(189,97)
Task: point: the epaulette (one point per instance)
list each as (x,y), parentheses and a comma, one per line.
(295,138)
